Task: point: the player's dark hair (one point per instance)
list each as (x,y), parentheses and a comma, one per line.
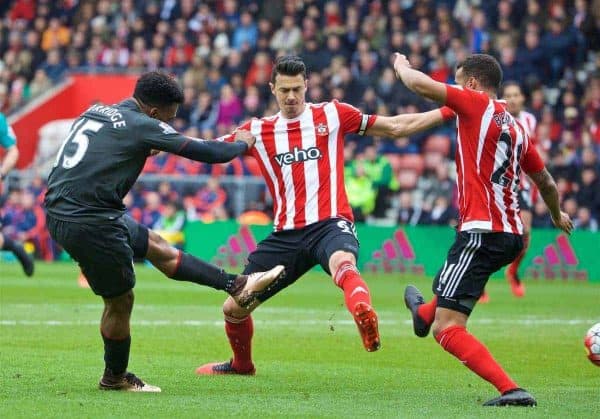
(511,83)
(157,89)
(484,68)
(288,65)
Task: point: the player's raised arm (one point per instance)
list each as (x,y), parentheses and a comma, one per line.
(408,124)
(419,82)
(478,79)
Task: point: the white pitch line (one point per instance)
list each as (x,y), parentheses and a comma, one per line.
(219,323)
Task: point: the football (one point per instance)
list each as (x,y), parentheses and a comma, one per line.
(592,344)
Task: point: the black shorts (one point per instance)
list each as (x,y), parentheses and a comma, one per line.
(138,237)
(300,250)
(471,260)
(104,251)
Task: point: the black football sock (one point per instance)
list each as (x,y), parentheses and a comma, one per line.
(192,269)
(116,354)
(20,253)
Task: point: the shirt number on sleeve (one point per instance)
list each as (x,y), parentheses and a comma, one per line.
(78,136)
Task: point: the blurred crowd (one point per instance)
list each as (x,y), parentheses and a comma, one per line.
(222,52)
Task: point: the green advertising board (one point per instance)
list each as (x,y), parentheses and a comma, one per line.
(417,250)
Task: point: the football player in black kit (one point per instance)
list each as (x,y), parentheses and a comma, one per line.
(96,166)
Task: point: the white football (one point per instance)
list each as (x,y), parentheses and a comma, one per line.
(592,344)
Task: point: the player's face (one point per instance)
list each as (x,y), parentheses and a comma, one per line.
(514,99)
(289,92)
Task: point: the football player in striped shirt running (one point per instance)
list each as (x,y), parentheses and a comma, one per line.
(492,149)
(300,153)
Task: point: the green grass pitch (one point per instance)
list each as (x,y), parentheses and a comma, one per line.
(309,358)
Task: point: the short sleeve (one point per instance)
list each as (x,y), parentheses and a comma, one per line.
(531,161)
(352,120)
(465,102)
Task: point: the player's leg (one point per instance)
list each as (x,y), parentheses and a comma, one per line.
(109,270)
(16,249)
(336,249)
(283,248)
(471,260)
(182,266)
(512,271)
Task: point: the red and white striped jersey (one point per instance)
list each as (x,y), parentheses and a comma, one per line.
(492,149)
(529,122)
(302,161)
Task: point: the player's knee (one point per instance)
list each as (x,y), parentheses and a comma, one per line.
(437,328)
(338,259)
(121,305)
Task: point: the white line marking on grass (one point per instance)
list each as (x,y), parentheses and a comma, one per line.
(219,323)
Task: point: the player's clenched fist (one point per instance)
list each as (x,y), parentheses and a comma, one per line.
(245,136)
(400,62)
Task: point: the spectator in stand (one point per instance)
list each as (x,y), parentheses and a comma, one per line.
(585,221)
(588,193)
(206,113)
(172,218)
(441,213)
(407,214)
(361,194)
(286,39)
(379,170)
(151,210)
(56,35)
(245,34)
(531,59)
(54,65)
(210,201)
(230,108)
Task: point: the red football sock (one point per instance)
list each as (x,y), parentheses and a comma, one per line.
(475,356)
(355,289)
(240,338)
(513,268)
(427,311)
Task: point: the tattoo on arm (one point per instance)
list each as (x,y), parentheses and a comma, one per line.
(547,187)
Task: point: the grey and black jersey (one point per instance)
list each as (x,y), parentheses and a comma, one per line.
(104,153)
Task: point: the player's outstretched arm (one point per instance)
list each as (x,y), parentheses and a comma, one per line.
(547,187)
(215,151)
(408,124)
(418,82)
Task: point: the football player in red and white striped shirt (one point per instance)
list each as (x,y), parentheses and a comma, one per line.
(492,149)
(515,101)
(300,153)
